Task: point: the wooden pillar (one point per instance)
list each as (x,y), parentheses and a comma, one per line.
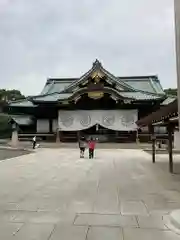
(60,136)
(153,139)
(170,130)
(78,135)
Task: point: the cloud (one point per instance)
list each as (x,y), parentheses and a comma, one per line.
(46,38)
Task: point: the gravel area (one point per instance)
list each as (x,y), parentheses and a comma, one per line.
(11,153)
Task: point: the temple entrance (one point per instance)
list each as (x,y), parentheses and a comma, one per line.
(101,134)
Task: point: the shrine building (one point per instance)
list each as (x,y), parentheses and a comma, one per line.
(97,104)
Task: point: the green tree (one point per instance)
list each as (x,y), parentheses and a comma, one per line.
(5,97)
(171,91)
(10,95)
(5,126)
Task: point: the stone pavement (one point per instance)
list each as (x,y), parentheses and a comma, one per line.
(53,194)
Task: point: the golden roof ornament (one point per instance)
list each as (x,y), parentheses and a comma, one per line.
(95,95)
(97,76)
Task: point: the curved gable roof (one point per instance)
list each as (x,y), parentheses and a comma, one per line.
(147,84)
(97,66)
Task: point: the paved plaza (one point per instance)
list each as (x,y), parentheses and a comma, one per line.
(52,194)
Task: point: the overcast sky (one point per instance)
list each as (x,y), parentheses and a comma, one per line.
(43,38)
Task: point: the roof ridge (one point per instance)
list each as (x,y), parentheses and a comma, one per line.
(49,80)
(134,90)
(151,93)
(171,96)
(152,84)
(48,94)
(141,77)
(52,84)
(19,100)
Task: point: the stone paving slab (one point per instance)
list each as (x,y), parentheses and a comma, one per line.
(106,220)
(8,230)
(34,217)
(97,233)
(69,233)
(34,231)
(147,234)
(152,222)
(133,208)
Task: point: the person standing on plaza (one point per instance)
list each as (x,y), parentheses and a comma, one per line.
(82,146)
(91,145)
(34,142)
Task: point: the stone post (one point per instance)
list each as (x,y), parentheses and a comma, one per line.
(14,137)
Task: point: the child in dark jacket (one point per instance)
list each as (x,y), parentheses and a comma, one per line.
(82,146)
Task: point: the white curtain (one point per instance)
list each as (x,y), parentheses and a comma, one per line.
(118,120)
(42,126)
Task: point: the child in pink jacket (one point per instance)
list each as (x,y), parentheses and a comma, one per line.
(91,145)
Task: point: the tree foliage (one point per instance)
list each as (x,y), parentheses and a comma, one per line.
(5,97)
(10,95)
(171,91)
(5,126)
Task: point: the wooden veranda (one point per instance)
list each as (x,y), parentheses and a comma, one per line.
(165,116)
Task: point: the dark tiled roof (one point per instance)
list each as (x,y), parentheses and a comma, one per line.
(145,83)
(21,103)
(22,119)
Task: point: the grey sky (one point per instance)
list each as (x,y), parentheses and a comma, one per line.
(43,38)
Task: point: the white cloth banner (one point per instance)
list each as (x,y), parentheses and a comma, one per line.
(118,120)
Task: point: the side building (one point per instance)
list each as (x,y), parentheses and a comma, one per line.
(97,104)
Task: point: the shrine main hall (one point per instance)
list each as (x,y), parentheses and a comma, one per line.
(97,104)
